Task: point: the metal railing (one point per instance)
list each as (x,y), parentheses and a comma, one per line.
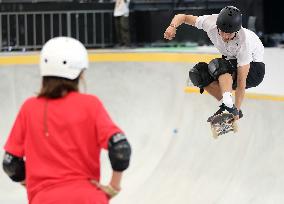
(30,30)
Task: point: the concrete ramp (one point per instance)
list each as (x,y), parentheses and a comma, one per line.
(175,159)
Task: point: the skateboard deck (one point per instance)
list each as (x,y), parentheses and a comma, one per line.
(222,124)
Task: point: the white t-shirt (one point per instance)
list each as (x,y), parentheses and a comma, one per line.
(121,8)
(246,47)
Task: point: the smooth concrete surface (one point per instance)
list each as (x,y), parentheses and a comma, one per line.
(175,159)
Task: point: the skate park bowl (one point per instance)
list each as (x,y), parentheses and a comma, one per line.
(175,158)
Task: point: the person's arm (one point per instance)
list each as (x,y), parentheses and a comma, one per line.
(15,168)
(182,18)
(115,181)
(114,187)
(14,157)
(176,22)
(241,84)
(119,154)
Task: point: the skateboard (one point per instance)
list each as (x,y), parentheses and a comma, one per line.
(222,124)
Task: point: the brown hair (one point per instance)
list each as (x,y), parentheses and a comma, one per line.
(56,87)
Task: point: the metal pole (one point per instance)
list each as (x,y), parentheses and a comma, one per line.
(111,30)
(26,29)
(102,30)
(69,24)
(8,31)
(42,29)
(77,26)
(86,28)
(60,24)
(51,25)
(17,31)
(34,30)
(94,29)
(1,30)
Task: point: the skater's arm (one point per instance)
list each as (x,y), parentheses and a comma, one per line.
(113,188)
(241,84)
(119,152)
(23,183)
(176,22)
(182,18)
(14,167)
(116,180)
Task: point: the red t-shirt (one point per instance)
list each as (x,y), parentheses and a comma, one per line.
(61,139)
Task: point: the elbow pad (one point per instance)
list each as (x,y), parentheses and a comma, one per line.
(14,167)
(119,152)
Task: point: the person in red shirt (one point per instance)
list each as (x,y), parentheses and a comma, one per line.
(54,146)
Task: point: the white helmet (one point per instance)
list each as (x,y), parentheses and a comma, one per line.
(63,57)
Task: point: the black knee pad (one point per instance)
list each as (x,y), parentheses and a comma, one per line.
(219,66)
(200,76)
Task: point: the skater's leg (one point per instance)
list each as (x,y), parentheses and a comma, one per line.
(221,71)
(214,78)
(225,84)
(222,92)
(214,90)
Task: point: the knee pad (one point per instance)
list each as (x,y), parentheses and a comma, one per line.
(200,76)
(217,67)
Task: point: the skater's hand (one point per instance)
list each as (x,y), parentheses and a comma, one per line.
(236,117)
(23,183)
(170,33)
(109,190)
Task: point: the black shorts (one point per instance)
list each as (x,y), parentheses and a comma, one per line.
(255,75)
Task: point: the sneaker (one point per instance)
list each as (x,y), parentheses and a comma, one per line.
(232,110)
(222,108)
(240,114)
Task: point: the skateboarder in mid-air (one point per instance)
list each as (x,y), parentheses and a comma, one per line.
(241,65)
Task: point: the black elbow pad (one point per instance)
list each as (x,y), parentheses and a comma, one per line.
(119,152)
(14,167)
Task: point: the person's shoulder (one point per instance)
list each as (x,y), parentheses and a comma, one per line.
(89,102)
(247,34)
(207,22)
(249,37)
(211,16)
(31,101)
(86,98)
(214,16)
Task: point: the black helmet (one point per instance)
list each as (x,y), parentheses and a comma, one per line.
(229,19)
